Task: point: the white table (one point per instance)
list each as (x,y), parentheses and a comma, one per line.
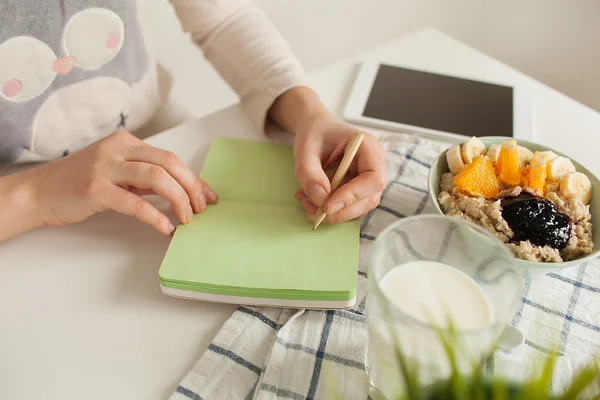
(82,315)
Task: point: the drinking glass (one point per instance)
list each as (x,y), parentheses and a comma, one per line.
(458,244)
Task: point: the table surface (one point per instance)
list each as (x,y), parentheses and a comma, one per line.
(82,312)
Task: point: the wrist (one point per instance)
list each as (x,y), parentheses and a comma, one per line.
(20,208)
(297,109)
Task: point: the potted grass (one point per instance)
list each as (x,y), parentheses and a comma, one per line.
(476,385)
(537,385)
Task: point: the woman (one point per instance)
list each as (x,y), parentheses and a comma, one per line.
(76,76)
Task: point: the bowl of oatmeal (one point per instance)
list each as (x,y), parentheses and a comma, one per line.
(542,204)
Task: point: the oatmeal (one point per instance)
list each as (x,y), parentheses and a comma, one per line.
(537,204)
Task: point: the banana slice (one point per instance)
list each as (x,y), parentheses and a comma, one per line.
(493,152)
(471,149)
(576,186)
(559,167)
(549,155)
(525,156)
(454,159)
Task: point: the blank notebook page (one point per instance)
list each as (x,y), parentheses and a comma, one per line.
(257,242)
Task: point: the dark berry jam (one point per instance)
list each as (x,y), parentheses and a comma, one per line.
(537,220)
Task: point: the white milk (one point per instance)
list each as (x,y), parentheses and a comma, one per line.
(432,293)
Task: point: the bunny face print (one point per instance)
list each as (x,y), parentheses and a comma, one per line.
(71,72)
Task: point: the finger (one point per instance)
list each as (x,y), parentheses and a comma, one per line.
(370,166)
(309,172)
(127,203)
(355,210)
(362,187)
(195,187)
(300,195)
(198,191)
(311,214)
(152,177)
(371,156)
(308,205)
(202,205)
(141,192)
(312,209)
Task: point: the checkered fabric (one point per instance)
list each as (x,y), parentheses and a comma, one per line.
(265,353)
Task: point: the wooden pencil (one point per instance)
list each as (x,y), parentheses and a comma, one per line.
(349,154)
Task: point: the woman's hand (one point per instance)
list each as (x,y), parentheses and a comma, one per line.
(320,140)
(319,147)
(113,174)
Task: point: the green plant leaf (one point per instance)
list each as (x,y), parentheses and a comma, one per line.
(477,383)
(499,389)
(450,343)
(409,375)
(581,382)
(544,384)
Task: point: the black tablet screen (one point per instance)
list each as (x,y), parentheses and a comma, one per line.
(441,102)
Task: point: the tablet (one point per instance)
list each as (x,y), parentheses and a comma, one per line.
(446,107)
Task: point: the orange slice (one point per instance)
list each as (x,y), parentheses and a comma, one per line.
(507,166)
(478,179)
(538,171)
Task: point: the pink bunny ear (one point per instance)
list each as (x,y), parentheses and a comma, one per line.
(112,42)
(12,88)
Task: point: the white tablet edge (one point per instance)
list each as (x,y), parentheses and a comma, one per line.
(259,301)
(522,107)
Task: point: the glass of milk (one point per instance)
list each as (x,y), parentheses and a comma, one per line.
(426,274)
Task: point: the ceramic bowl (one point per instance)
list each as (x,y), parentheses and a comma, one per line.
(440,167)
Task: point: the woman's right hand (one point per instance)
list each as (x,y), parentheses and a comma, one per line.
(113,174)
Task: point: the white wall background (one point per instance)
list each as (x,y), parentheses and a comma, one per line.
(554,41)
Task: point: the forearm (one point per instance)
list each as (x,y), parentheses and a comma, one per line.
(296,108)
(17,205)
(245,48)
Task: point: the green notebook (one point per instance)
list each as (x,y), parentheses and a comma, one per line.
(256,246)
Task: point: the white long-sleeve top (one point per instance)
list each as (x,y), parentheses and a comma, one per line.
(74,71)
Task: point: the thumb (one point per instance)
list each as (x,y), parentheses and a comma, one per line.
(310,174)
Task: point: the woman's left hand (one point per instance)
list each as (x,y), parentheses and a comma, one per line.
(319,146)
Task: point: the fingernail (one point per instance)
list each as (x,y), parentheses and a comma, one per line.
(189,214)
(317,194)
(171,228)
(335,208)
(202,203)
(212,196)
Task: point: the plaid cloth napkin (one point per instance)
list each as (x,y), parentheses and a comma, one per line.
(265,353)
